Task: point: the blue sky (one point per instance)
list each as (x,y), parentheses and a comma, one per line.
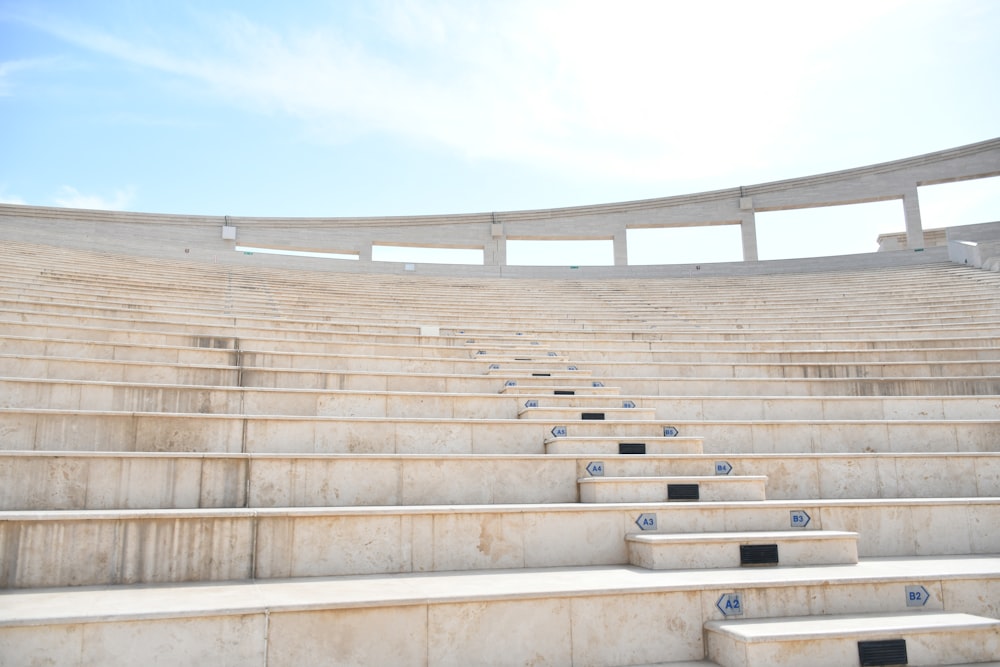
(345,108)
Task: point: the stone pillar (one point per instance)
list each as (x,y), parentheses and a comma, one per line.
(748,232)
(621,247)
(911,213)
(495,251)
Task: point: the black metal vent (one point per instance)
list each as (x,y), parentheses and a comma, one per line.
(882,652)
(682,492)
(631,448)
(564,392)
(541,375)
(596,416)
(758,554)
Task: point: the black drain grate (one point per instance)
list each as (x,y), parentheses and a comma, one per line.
(682,492)
(631,448)
(593,416)
(758,554)
(882,652)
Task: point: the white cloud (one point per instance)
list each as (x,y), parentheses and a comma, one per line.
(10,199)
(648,90)
(70,197)
(10,68)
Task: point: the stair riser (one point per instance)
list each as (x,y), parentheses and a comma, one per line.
(593,630)
(708,555)
(57,549)
(636,490)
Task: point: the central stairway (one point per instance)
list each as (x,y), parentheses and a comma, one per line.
(206,464)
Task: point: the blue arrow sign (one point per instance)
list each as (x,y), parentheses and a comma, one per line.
(670,432)
(595,468)
(646,522)
(532,403)
(559,431)
(511,383)
(481,352)
(916,596)
(572,368)
(628,404)
(723,468)
(552,354)
(730,604)
(799,518)
(595,383)
(494,367)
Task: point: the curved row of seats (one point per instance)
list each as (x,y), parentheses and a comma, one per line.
(297,467)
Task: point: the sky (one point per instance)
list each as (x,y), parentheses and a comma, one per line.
(414,107)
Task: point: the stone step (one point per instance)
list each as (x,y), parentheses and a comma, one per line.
(570,615)
(549,374)
(527,389)
(612,445)
(672,488)
(658,551)
(505,360)
(112,547)
(597,411)
(95,480)
(397,380)
(931,638)
(844,312)
(115,343)
(74,394)
(41,430)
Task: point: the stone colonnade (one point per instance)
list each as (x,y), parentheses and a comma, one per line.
(187,236)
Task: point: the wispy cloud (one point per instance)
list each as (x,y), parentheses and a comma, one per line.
(6,198)
(10,70)
(70,197)
(643,91)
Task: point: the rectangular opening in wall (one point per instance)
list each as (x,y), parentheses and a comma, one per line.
(684,245)
(682,492)
(295,252)
(827,231)
(960,203)
(427,254)
(575,252)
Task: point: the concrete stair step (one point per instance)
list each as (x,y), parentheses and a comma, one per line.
(548,390)
(611,445)
(931,638)
(402,619)
(658,551)
(526,373)
(111,547)
(596,412)
(673,488)
(507,359)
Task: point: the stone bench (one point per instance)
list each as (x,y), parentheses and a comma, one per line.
(34,429)
(116,547)
(560,615)
(120,480)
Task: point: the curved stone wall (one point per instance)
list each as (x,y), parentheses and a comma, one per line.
(215,238)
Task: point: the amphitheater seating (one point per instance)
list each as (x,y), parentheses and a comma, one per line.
(214,464)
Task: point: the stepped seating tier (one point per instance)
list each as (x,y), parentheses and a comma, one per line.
(276,466)
(717,550)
